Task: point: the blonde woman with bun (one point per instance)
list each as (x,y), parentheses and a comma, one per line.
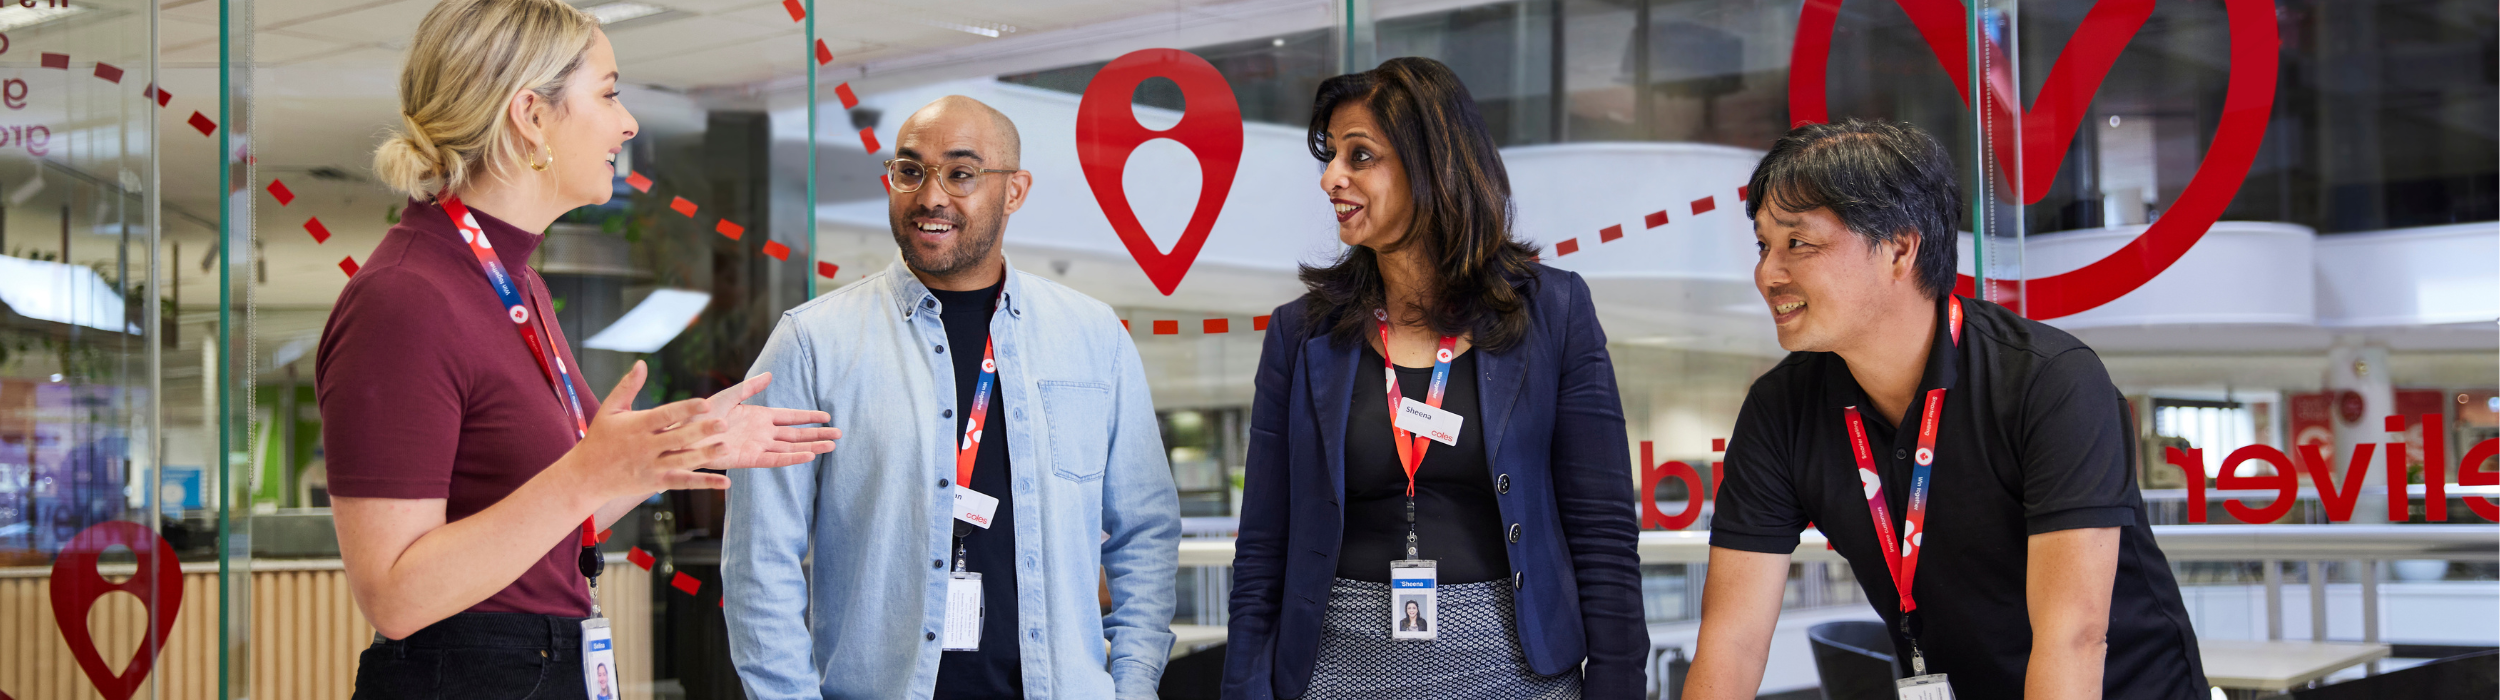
(468,461)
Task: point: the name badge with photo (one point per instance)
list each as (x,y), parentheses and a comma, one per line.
(1422,419)
(599,674)
(1927,687)
(1414,604)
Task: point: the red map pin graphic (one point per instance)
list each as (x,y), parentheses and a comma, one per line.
(1107,132)
(76,585)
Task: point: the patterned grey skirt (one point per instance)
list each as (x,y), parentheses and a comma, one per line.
(1476,654)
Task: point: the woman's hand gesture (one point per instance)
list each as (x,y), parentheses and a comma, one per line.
(763,436)
(636,453)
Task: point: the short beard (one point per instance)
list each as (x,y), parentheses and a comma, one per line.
(973,242)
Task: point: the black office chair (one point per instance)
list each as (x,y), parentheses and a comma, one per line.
(1853,659)
(2474,675)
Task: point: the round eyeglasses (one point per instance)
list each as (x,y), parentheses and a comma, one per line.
(960,179)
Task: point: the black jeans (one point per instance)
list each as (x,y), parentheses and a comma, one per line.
(478,656)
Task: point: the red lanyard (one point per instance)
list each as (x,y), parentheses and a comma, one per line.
(1901,553)
(550,363)
(969,449)
(1411,447)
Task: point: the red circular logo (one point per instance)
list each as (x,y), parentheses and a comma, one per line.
(2349,406)
(518,313)
(2049,127)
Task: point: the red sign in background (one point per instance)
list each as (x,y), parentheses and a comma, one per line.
(77,584)
(1107,131)
(2048,128)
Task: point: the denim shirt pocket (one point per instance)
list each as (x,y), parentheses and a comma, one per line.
(1079,416)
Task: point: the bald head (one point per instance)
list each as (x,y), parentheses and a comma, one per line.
(956,127)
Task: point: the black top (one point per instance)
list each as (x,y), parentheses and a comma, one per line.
(994,671)
(2033,439)
(1457,522)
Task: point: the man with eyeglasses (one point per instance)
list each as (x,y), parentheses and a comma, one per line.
(1004,455)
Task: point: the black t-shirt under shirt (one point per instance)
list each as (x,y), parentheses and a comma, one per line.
(1457,521)
(2033,438)
(996,670)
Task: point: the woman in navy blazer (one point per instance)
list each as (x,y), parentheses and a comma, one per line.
(1423,204)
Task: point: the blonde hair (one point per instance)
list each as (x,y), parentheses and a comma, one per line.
(468,59)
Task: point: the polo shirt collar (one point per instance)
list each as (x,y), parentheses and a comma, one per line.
(1944,365)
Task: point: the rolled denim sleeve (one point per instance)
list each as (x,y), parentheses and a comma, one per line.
(764,551)
(1141,516)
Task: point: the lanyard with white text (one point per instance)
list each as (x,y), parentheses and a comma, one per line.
(1901,552)
(968,450)
(550,363)
(1411,447)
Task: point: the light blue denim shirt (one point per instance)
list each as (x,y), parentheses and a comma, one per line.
(835,571)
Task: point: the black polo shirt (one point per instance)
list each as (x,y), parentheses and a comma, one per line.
(2033,439)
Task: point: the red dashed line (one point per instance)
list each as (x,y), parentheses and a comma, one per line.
(1124,326)
(798,12)
(638,182)
(1704,205)
(277,188)
(777,250)
(639,558)
(1258,323)
(107,72)
(56,60)
(689,584)
(1655,219)
(201,122)
(1215,325)
(320,233)
(682,206)
(1167,328)
(348,265)
(1740,193)
(850,100)
(824,55)
(725,228)
(868,137)
(160,94)
(827,269)
(1567,247)
(1610,233)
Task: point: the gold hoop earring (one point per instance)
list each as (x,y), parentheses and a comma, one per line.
(538,166)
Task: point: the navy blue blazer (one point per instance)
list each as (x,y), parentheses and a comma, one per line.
(1553,425)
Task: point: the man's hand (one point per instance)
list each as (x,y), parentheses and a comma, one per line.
(763,436)
(2067,585)
(1740,606)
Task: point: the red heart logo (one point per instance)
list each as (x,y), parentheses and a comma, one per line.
(1107,131)
(2048,128)
(76,584)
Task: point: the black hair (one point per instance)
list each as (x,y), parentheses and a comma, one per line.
(1461,200)
(1880,178)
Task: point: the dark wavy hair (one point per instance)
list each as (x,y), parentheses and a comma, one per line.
(1462,209)
(1882,179)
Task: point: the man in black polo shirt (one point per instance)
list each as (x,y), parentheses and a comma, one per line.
(1990,451)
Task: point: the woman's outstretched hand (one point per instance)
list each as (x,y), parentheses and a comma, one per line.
(763,436)
(635,453)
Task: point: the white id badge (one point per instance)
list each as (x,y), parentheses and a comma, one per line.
(1413,602)
(1422,419)
(974,507)
(1927,687)
(963,612)
(599,674)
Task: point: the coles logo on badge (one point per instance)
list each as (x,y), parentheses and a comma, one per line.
(988,365)
(1926,456)
(2048,128)
(519,314)
(1442,356)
